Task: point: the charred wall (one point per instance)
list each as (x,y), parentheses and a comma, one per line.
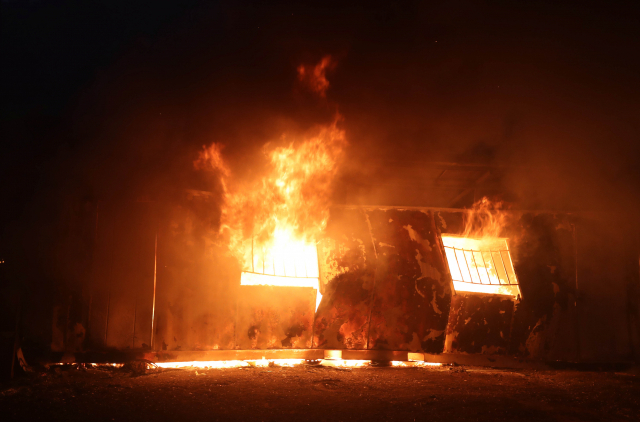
(384,280)
(479,324)
(347,261)
(578,275)
(543,323)
(270,317)
(413,292)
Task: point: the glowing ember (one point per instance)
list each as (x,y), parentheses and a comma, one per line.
(346,363)
(260,363)
(414,364)
(314,77)
(91,365)
(222,364)
(278,362)
(205,364)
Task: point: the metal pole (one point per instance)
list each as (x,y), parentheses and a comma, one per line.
(16,336)
(95,239)
(135,317)
(575,250)
(89,318)
(106,324)
(575,303)
(153,306)
(88,335)
(313,326)
(375,273)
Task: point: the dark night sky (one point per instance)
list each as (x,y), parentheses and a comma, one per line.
(109,100)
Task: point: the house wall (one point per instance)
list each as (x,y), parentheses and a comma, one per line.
(384,281)
(387,284)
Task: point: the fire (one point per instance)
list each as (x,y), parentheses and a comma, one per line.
(259,363)
(221,364)
(485,220)
(272,223)
(414,364)
(480,260)
(346,363)
(315,76)
(225,364)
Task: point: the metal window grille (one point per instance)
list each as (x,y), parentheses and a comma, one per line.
(294,267)
(302,264)
(481,266)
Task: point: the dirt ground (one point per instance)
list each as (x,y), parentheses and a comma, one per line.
(315,393)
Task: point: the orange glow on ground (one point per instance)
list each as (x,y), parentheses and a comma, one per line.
(223,364)
(345,363)
(413,364)
(263,363)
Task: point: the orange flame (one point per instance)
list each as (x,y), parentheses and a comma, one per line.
(289,203)
(314,77)
(480,260)
(272,224)
(485,219)
(212,156)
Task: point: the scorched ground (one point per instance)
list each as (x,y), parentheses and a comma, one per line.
(317,393)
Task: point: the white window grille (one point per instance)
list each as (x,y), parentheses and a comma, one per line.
(481,265)
(292,265)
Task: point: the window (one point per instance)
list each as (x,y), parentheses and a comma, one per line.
(293,263)
(481,265)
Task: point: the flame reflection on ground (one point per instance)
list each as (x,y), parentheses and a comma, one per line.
(342,363)
(345,363)
(413,364)
(221,364)
(262,363)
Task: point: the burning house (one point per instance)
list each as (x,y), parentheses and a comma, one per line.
(260,186)
(375,279)
(285,272)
